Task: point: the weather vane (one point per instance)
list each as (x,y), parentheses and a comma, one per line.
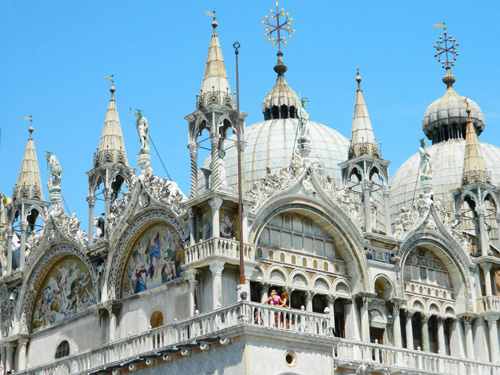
(447,46)
(109,79)
(280,27)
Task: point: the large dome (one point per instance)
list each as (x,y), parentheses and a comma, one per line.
(271,143)
(447,160)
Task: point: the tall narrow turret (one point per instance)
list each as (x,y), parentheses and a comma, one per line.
(29,183)
(474,166)
(362,137)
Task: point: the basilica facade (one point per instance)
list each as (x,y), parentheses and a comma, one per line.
(376,275)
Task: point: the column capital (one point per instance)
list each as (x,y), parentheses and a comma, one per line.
(190,275)
(23,225)
(486,267)
(331,298)
(91,200)
(215,203)
(480,210)
(491,319)
(409,313)
(192,211)
(467,320)
(309,293)
(265,285)
(214,139)
(217,267)
(193,148)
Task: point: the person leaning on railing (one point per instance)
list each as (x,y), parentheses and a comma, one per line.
(285,302)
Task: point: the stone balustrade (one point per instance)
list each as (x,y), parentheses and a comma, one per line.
(488,303)
(386,358)
(218,247)
(181,336)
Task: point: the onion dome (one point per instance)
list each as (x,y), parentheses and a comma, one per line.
(111,146)
(29,183)
(446,118)
(281,102)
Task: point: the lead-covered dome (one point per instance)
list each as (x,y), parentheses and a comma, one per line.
(447,160)
(271,144)
(446,118)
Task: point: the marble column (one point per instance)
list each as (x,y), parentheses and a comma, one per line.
(193,152)
(425,332)
(91,201)
(487,278)
(483,239)
(23,225)
(365,321)
(107,205)
(397,326)
(244,223)
(10,233)
(331,306)
(264,287)
(190,276)
(492,321)
(113,308)
(3,354)
(387,211)
(441,338)
(214,164)
(215,204)
(351,321)
(309,301)
(456,344)
(9,362)
(23,343)
(192,226)
(469,343)
(216,268)
(366,206)
(409,329)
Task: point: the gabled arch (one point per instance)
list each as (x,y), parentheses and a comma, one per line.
(304,275)
(322,278)
(118,257)
(276,269)
(39,274)
(342,229)
(455,262)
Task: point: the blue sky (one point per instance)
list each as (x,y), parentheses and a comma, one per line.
(55,54)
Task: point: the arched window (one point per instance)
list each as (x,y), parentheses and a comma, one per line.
(156,319)
(62,350)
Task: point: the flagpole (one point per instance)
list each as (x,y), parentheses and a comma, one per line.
(236,46)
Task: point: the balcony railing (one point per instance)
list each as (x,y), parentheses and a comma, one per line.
(202,329)
(488,303)
(377,357)
(218,246)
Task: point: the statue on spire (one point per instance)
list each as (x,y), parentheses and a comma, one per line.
(425,162)
(304,119)
(142,130)
(55,171)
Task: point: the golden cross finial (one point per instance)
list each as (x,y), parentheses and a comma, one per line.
(447,46)
(279,27)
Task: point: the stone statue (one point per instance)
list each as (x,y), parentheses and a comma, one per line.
(142,130)
(55,171)
(304,119)
(425,162)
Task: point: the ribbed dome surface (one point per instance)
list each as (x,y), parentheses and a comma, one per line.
(271,143)
(446,117)
(447,160)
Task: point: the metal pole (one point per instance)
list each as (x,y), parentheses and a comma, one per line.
(236,46)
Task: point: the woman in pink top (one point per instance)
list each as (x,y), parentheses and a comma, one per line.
(274,299)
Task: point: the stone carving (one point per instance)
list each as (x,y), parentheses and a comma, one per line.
(68,225)
(142,130)
(55,171)
(163,190)
(274,182)
(116,210)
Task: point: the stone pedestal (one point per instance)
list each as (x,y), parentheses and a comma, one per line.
(55,195)
(144,158)
(304,146)
(426,184)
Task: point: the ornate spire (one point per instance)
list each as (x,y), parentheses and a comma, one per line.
(111,147)
(29,183)
(474,166)
(362,137)
(215,87)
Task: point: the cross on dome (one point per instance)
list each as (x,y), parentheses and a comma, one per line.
(279,27)
(446,46)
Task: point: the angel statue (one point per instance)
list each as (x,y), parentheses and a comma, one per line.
(142,129)
(54,170)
